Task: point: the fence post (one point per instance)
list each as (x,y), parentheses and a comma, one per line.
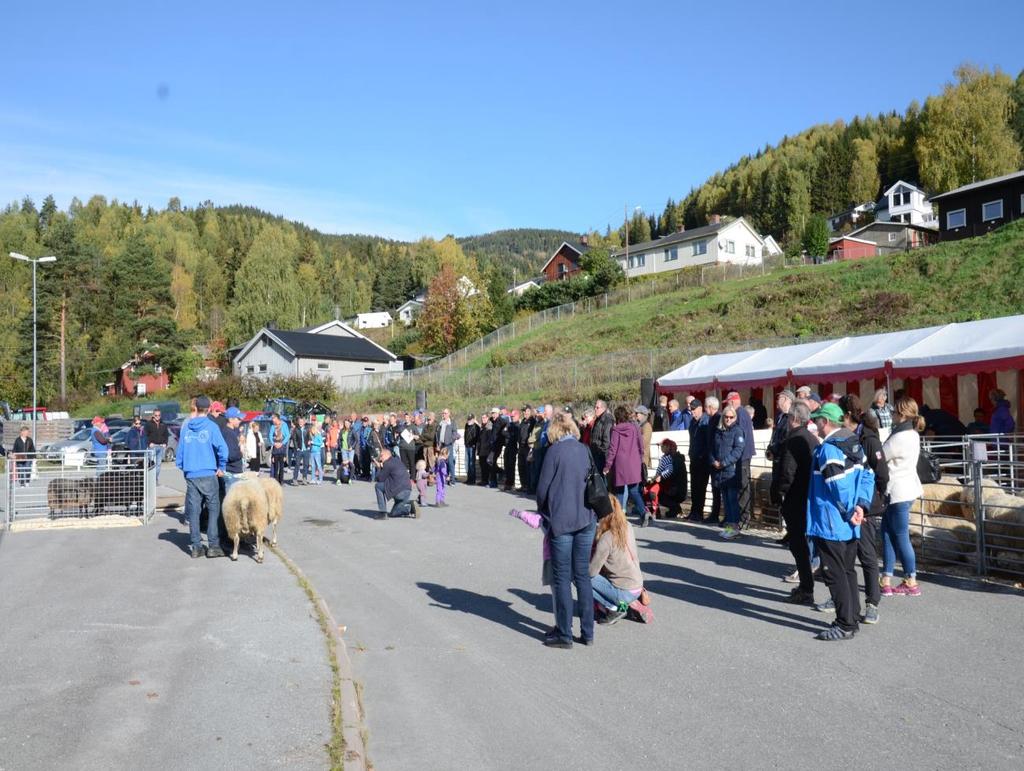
(979,517)
(501,380)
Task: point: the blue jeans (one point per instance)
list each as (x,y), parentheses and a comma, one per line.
(451,465)
(300,465)
(609,595)
(471,465)
(200,490)
(731,501)
(317,463)
(402,504)
(570,564)
(896,535)
(632,493)
(159,451)
(228,480)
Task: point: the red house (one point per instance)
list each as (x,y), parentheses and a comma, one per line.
(140,375)
(847,248)
(564,263)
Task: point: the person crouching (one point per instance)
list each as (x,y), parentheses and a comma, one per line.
(393,483)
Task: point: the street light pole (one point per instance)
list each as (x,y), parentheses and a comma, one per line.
(35,355)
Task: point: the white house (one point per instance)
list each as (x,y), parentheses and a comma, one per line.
(907,204)
(732,241)
(466,287)
(376,320)
(851,216)
(333,349)
(408,311)
(771,247)
(523,286)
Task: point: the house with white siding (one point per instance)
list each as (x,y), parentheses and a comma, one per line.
(333,350)
(723,241)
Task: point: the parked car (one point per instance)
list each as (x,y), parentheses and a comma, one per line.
(78,443)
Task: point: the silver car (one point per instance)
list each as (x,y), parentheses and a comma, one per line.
(71,451)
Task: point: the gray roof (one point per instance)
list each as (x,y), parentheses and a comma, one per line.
(332,346)
(677,238)
(979,185)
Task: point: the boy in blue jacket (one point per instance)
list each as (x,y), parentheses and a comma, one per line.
(839,497)
(202,456)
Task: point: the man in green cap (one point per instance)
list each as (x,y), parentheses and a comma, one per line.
(840,495)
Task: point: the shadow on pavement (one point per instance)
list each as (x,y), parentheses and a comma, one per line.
(541,602)
(697,551)
(719,594)
(489,608)
(176,537)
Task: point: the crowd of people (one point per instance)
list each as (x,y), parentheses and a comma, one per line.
(835,481)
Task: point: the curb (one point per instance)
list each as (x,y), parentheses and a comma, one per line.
(352,726)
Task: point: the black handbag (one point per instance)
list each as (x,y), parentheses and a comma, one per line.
(595,493)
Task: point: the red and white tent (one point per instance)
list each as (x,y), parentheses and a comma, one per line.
(952,366)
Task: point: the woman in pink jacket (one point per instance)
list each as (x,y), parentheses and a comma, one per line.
(624,461)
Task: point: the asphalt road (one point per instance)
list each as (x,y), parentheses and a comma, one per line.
(444,617)
(119,651)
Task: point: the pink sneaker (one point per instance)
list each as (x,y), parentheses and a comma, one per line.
(887,590)
(907,590)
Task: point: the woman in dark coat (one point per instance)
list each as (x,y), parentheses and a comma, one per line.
(570,525)
(726,450)
(625,460)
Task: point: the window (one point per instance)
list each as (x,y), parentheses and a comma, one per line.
(636,260)
(730,247)
(701,247)
(322,365)
(956,219)
(892,237)
(993,210)
(750,251)
(672,254)
(562,269)
(263,367)
(249,370)
(369,369)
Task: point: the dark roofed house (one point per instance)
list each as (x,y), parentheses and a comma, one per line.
(332,350)
(565,262)
(977,208)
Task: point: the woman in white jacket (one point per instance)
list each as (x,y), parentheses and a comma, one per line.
(902,450)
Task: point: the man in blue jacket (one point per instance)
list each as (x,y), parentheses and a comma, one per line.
(838,499)
(202,456)
(700,464)
(393,482)
(746,494)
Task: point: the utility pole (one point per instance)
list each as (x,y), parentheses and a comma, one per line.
(63,360)
(35,355)
(625,227)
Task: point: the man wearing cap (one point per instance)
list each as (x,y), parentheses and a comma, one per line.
(157,436)
(217,414)
(700,458)
(510,435)
(233,468)
(839,497)
(99,439)
(642,416)
(393,482)
(746,496)
(202,456)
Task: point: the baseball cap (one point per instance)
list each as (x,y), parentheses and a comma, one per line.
(732,396)
(202,403)
(815,397)
(217,406)
(234,412)
(695,404)
(830,412)
(642,410)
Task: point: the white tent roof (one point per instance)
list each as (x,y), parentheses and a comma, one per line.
(931,351)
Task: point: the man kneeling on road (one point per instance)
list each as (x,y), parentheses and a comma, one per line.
(840,495)
(202,456)
(393,482)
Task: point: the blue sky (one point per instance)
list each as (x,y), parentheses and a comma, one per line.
(418,118)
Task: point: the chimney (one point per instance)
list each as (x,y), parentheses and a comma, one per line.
(715,219)
(682,228)
(583,239)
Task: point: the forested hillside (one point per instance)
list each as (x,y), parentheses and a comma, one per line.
(973,130)
(522,250)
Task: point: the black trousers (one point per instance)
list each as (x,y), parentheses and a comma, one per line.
(524,467)
(511,453)
(746,493)
(408,456)
(700,474)
(867,555)
(838,569)
(484,469)
(796,527)
(277,463)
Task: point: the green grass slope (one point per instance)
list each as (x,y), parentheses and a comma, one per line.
(604,353)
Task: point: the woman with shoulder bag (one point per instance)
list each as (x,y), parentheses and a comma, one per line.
(902,450)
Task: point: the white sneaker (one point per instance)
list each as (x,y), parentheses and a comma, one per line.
(729,533)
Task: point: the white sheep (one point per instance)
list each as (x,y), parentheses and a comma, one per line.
(1004,523)
(275,503)
(245,511)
